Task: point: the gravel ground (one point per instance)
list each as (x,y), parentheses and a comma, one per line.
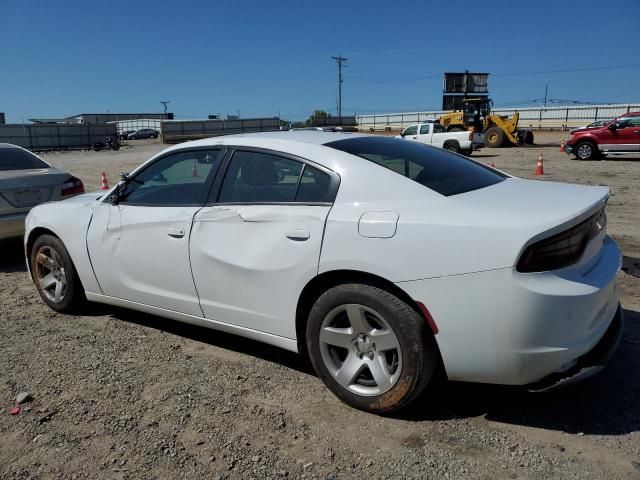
(124,395)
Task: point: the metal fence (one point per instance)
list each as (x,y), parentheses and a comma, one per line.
(39,137)
(536,118)
(126,125)
(174,131)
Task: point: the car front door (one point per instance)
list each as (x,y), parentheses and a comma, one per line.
(620,138)
(410,133)
(629,133)
(257,244)
(424,133)
(139,248)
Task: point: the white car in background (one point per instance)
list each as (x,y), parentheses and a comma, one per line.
(383,260)
(434,134)
(25,181)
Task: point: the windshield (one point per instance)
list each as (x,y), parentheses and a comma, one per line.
(437,169)
(19,159)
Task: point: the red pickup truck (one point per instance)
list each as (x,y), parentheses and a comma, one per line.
(619,135)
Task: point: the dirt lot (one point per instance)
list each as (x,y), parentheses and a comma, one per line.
(119,394)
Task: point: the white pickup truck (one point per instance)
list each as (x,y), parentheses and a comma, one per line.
(435,134)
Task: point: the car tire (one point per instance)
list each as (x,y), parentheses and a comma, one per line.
(55,275)
(345,323)
(528,137)
(494,137)
(585,151)
(452,147)
(468,152)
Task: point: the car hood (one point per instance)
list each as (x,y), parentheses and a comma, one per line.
(88,198)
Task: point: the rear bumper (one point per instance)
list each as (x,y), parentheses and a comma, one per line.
(509,328)
(12,226)
(588,364)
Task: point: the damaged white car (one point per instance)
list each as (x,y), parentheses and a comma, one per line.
(384,261)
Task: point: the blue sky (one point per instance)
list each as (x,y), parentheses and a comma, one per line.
(262,58)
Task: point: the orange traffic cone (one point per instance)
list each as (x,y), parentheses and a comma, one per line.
(103,182)
(194,171)
(540,165)
(562,144)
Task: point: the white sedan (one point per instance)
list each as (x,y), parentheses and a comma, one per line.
(384,261)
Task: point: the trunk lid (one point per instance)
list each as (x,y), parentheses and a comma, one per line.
(533,205)
(22,189)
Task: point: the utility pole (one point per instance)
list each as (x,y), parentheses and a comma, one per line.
(341,60)
(545,95)
(164,104)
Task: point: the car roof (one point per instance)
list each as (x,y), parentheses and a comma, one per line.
(314,137)
(9,145)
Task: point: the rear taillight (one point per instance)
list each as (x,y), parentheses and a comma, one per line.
(562,249)
(73,186)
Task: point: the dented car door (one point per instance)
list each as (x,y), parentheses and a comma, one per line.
(256,246)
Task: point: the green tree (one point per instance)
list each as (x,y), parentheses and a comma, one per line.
(316,114)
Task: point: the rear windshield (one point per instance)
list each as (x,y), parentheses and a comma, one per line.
(18,159)
(437,169)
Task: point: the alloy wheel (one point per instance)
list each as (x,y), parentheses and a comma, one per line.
(50,274)
(360,349)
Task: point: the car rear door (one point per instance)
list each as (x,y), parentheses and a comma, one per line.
(257,243)
(139,248)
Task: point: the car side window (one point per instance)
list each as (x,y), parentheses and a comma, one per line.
(412,130)
(437,128)
(634,121)
(424,129)
(181,178)
(255,177)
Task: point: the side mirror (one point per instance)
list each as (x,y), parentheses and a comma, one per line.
(614,126)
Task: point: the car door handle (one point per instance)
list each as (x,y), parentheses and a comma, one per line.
(175,232)
(636,131)
(298,235)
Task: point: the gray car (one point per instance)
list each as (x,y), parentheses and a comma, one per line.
(25,181)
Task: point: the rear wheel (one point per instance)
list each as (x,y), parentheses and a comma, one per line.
(452,147)
(493,137)
(370,348)
(54,274)
(585,151)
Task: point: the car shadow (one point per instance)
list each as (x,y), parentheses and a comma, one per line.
(12,256)
(603,405)
(631,266)
(209,336)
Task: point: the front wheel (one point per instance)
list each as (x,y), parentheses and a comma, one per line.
(585,151)
(54,274)
(370,348)
(494,137)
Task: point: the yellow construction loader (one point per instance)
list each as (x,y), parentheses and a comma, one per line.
(498,130)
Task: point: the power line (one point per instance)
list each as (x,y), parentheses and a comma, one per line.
(503,74)
(341,60)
